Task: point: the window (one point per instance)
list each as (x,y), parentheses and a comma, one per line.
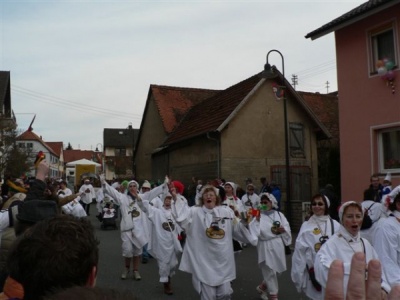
(29,145)
(389,148)
(120,152)
(382,46)
(21,145)
(296,140)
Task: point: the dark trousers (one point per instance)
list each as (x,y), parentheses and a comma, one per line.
(86,207)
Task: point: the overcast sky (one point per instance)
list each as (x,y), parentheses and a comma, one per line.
(82,66)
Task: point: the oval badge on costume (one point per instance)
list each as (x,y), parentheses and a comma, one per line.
(316,231)
(135,213)
(213,233)
(317,246)
(168,226)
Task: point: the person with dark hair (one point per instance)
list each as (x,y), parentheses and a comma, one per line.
(55,253)
(313,234)
(208,252)
(265,188)
(329,192)
(374,191)
(88,194)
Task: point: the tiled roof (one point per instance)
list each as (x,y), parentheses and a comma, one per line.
(208,115)
(72,155)
(31,136)
(326,108)
(119,137)
(174,102)
(56,146)
(356,14)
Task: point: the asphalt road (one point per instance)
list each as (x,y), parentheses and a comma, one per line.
(248,275)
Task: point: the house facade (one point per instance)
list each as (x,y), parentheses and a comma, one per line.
(33,144)
(58,149)
(235,134)
(367,41)
(119,144)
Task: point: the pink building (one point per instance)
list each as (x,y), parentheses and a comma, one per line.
(367,53)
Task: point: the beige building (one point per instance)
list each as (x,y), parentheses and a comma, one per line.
(236,133)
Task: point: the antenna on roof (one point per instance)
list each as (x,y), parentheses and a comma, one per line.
(30,125)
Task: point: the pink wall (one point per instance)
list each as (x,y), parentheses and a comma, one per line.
(364,101)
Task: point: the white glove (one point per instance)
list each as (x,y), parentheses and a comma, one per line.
(102,179)
(166,180)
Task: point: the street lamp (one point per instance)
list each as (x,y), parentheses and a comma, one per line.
(102,156)
(270,72)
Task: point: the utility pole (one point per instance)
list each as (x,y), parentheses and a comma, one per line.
(327,87)
(294,81)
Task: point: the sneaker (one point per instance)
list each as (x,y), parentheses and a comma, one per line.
(260,290)
(125,274)
(264,296)
(136,275)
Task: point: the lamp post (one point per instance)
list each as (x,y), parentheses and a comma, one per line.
(269,72)
(102,156)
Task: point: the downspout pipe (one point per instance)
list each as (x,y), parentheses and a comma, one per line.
(218,141)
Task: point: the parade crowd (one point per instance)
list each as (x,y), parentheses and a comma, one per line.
(49,250)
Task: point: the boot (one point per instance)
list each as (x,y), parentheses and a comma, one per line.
(167,288)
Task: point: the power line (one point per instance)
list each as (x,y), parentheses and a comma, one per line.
(41,97)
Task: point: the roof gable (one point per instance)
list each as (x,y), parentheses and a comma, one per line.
(174,102)
(215,113)
(56,146)
(72,155)
(119,137)
(326,108)
(360,12)
(210,114)
(31,136)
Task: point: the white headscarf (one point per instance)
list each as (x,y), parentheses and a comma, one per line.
(344,205)
(270,198)
(233,185)
(135,182)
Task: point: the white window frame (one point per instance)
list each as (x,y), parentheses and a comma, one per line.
(373,51)
(381,150)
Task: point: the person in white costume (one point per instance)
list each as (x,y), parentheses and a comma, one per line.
(234,202)
(134,223)
(208,252)
(343,245)
(377,212)
(313,234)
(250,199)
(387,240)
(73,207)
(273,231)
(87,196)
(164,244)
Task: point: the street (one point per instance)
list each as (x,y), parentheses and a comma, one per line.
(248,275)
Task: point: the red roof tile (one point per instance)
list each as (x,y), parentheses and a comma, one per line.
(174,102)
(211,113)
(72,155)
(31,136)
(56,146)
(326,108)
